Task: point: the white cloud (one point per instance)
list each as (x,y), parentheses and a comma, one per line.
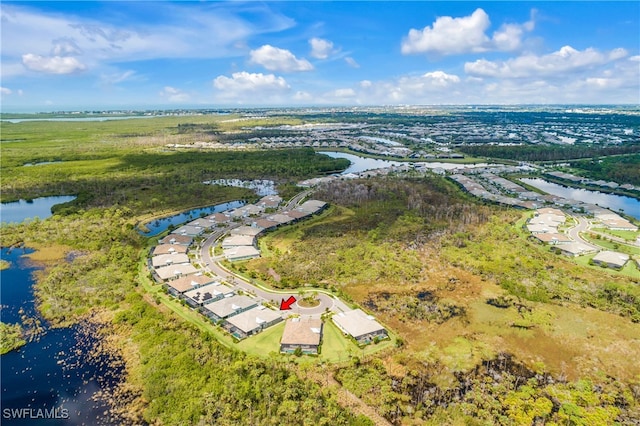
(65,47)
(567,59)
(343,93)
(431,87)
(174,95)
(301,95)
(206,30)
(509,36)
(52,64)
(450,36)
(5,91)
(250,82)
(320,48)
(276,59)
(440,78)
(117,77)
(351,62)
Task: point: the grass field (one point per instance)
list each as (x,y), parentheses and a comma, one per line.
(626,235)
(265,343)
(612,245)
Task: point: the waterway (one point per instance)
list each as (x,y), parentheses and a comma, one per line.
(22,210)
(628,205)
(160,225)
(54,375)
(361,164)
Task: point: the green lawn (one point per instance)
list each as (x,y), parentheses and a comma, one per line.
(612,245)
(627,235)
(629,270)
(264,343)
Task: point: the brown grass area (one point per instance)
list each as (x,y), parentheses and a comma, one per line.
(566,340)
(49,253)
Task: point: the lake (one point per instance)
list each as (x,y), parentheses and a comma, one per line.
(22,210)
(54,372)
(159,225)
(361,164)
(628,205)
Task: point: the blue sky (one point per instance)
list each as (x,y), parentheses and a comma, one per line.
(61,55)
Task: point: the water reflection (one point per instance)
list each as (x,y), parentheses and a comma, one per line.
(361,164)
(55,371)
(628,205)
(160,225)
(22,210)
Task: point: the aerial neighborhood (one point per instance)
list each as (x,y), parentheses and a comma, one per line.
(185,264)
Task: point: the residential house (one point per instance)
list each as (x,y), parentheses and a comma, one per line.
(313,206)
(251,321)
(183,240)
(280,218)
(185,283)
(305,334)
(362,327)
(207,294)
(169,259)
(237,241)
(266,224)
(575,249)
(188,230)
(611,259)
(170,272)
(241,253)
(251,231)
(553,238)
(168,249)
(228,307)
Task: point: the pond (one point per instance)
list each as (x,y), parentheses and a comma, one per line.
(19,211)
(628,205)
(55,374)
(361,164)
(262,187)
(160,225)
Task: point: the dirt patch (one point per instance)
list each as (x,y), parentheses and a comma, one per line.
(273,274)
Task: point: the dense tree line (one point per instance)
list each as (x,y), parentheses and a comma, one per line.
(189,378)
(498,391)
(546,152)
(369,239)
(148,182)
(623,169)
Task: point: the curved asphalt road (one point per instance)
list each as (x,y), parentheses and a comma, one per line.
(327,302)
(582,226)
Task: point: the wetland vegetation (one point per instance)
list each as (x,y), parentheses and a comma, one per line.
(492,328)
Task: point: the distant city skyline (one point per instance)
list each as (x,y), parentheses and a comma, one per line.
(118,55)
